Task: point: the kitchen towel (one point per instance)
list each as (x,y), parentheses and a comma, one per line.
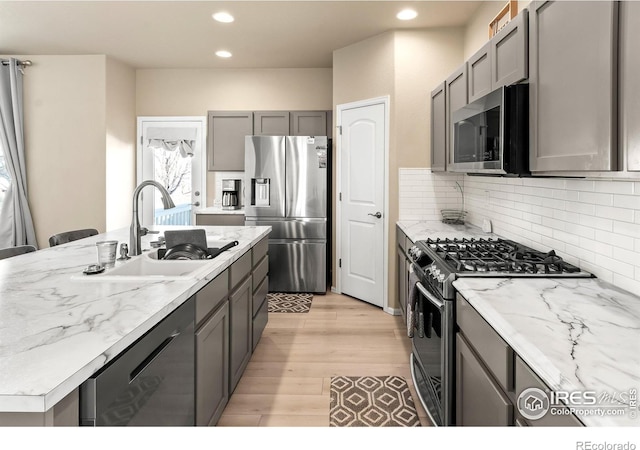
(411,302)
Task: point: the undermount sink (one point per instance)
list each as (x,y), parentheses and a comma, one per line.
(151,266)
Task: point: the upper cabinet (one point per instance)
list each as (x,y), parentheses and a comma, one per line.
(455,98)
(438,129)
(225,139)
(572,50)
(227,129)
(308,123)
(501,61)
(271,123)
(629,94)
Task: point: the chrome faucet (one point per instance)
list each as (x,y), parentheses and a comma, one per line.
(135,232)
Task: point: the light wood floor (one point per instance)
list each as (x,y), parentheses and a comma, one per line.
(288,378)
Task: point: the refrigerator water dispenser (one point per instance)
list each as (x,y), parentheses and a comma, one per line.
(260,191)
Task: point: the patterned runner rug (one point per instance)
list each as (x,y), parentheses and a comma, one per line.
(372,402)
(289,303)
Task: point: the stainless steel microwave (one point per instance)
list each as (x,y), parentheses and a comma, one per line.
(491,135)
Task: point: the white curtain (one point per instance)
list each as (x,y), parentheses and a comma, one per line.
(171,139)
(16,224)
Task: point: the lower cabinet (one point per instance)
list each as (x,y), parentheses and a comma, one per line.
(220,219)
(240,327)
(212,367)
(479,399)
(490,377)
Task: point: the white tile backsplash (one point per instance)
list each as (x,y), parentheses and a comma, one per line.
(594,224)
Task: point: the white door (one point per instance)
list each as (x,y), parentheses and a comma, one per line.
(362,145)
(171,150)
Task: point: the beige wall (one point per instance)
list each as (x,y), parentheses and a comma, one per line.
(64,114)
(405,65)
(120,143)
(193,92)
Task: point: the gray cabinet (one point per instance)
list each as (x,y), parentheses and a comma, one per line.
(484,371)
(212,367)
(502,61)
(403,264)
(225,139)
(629,94)
(438,129)
(308,123)
(525,378)
(212,350)
(479,399)
(510,52)
(455,98)
(572,51)
(479,73)
(260,283)
(240,319)
(271,123)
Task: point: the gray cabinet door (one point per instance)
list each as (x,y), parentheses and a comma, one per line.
(479,400)
(479,72)
(240,327)
(629,94)
(438,129)
(455,98)
(212,367)
(271,123)
(225,139)
(510,53)
(572,49)
(308,123)
(220,219)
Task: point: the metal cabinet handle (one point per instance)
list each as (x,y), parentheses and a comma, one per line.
(376,215)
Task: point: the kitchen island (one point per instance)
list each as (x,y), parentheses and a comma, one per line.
(58,326)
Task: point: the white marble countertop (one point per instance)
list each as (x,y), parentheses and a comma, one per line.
(55,331)
(219,210)
(577,334)
(437,229)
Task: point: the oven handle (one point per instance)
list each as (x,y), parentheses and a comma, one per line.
(429,296)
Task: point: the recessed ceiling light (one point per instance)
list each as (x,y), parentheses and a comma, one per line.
(223,54)
(223,17)
(407,14)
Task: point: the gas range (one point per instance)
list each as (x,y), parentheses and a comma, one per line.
(439,262)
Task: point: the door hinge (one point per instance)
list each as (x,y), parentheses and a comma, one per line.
(340,262)
(339,130)
(141,139)
(340,196)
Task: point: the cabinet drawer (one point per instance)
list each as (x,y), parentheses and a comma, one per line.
(209,297)
(259,272)
(260,294)
(525,378)
(260,322)
(239,270)
(497,355)
(259,251)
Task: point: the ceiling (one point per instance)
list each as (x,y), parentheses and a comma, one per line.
(182,34)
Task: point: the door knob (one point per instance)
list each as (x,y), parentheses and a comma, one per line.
(376,215)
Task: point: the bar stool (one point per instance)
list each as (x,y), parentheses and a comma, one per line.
(68,236)
(15,251)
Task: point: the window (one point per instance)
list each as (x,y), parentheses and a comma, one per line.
(4,178)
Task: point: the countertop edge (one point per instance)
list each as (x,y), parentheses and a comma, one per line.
(41,403)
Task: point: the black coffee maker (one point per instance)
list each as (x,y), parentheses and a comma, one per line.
(230,194)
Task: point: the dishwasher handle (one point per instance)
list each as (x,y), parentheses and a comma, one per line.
(152,356)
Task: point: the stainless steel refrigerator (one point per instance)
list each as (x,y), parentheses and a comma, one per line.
(286,188)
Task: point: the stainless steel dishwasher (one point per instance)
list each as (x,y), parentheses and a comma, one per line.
(151,383)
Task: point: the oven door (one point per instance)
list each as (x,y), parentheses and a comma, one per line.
(432,354)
